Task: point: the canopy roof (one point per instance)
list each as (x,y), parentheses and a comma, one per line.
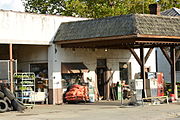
(121,31)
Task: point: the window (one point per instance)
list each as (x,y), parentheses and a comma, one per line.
(101,63)
(125,71)
(40,69)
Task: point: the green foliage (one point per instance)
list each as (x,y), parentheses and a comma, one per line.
(167,4)
(104,8)
(94,8)
(53,7)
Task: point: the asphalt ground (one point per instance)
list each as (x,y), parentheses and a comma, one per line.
(97,111)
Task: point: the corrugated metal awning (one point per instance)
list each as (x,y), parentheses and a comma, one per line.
(73,68)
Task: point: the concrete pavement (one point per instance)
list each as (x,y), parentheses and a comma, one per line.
(97,111)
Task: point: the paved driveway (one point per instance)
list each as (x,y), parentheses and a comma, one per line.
(99,111)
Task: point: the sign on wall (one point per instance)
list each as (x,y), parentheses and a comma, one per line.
(57,80)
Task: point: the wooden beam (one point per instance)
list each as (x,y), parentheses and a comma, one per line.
(95,39)
(125,37)
(166,55)
(143,71)
(158,42)
(11,67)
(148,54)
(157,36)
(173,69)
(135,56)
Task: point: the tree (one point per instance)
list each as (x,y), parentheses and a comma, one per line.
(53,7)
(167,4)
(104,8)
(94,8)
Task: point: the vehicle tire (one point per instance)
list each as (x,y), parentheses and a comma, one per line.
(8,93)
(8,101)
(1,94)
(3,106)
(17,106)
(21,104)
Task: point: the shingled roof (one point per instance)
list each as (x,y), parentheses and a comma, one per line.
(171,12)
(122,25)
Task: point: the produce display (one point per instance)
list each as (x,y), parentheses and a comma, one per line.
(77,93)
(26,83)
(24,76)
(24,86)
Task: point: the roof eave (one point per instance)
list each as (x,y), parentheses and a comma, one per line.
(157,36)
(96,39)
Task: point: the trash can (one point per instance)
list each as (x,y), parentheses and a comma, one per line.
(172,97)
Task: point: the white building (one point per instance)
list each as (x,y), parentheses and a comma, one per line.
(103,46)
(31,36)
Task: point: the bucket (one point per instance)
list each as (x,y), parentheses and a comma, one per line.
(172,97)
(91,98)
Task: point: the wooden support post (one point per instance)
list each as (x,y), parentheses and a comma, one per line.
(143,70)
(172,61)
(142,60)
(173,69)
(11,67)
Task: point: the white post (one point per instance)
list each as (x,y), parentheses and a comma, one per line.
(54,68)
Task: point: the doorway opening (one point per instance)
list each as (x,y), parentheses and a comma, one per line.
(125,71)
(101,72)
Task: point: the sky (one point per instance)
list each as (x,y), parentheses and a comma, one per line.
(15,5)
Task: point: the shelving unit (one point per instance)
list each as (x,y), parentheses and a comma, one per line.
(24,83)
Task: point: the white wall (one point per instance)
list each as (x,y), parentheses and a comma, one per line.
(26,28)
(89,58)
(32,29)
(27,54)
(151,62)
